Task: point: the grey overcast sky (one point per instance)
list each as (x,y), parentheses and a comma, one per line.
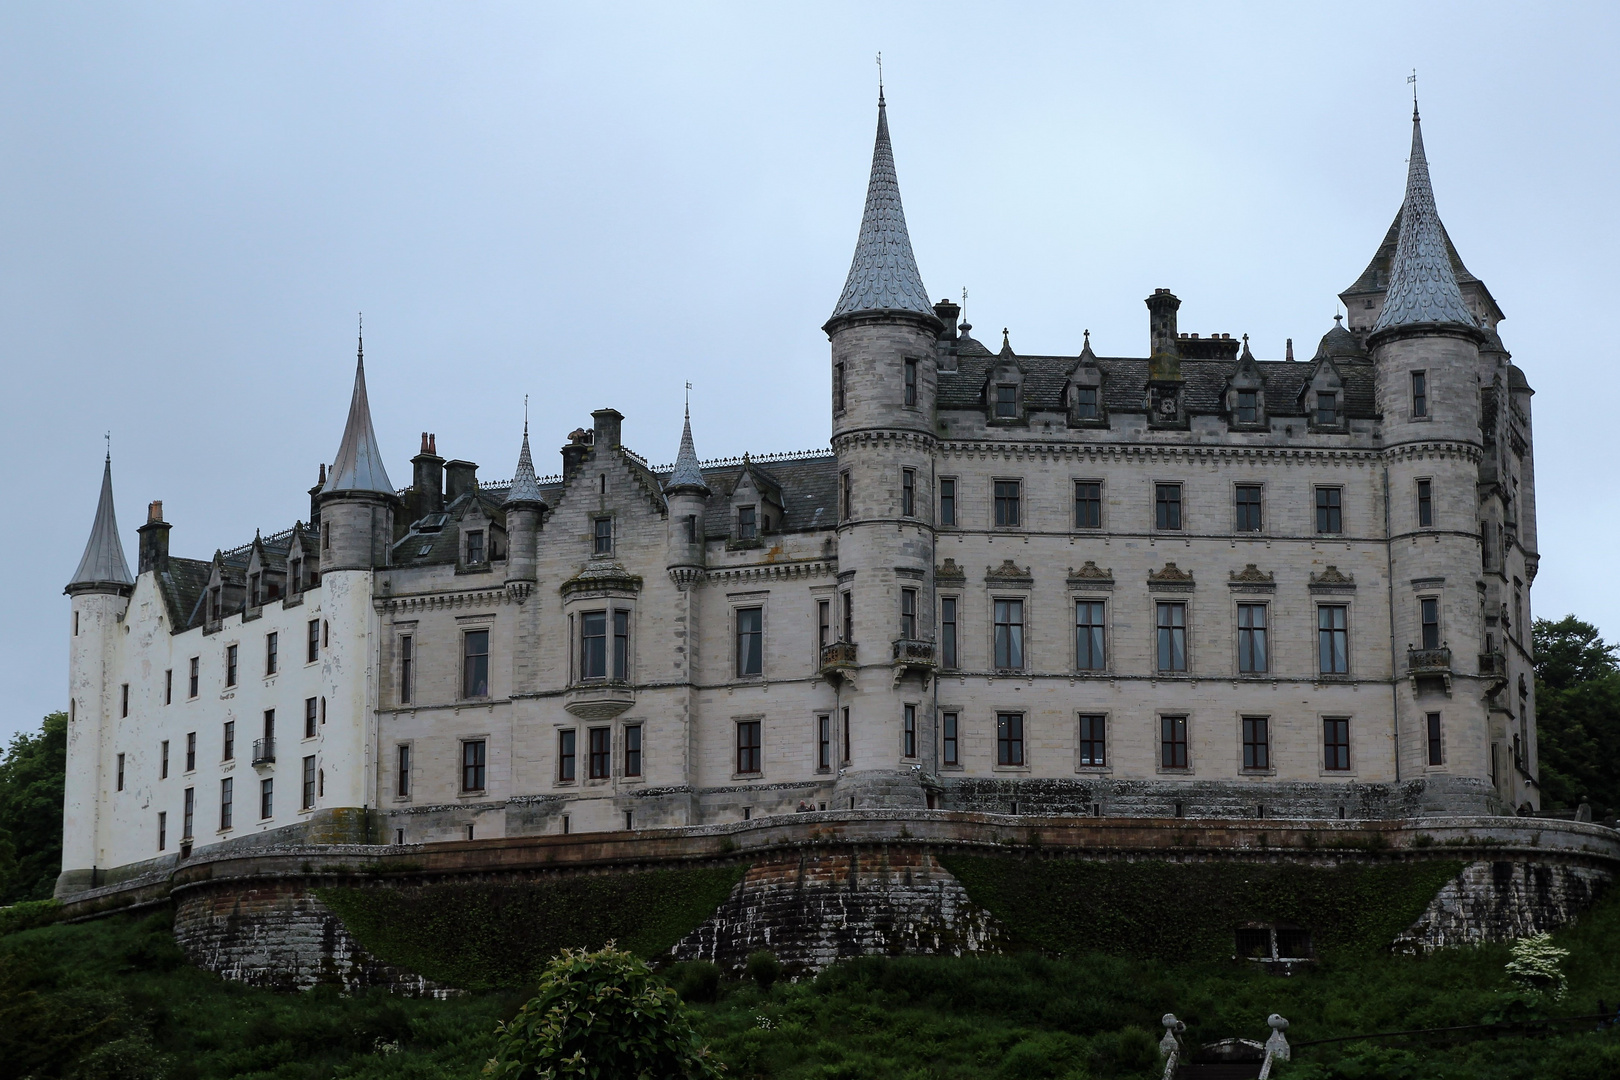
(593,204)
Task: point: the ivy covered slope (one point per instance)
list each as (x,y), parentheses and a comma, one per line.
(481,936)
(1187,911)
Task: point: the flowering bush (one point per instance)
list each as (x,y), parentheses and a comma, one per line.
(1536,966)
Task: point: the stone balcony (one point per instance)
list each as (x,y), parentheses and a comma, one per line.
(914,655)
(599,699)
(838,659)
(1429,669)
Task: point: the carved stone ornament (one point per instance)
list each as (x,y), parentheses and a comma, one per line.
(1171,579)
(601,575)
(1008,573)
(949,572)
(1251,573)
(1332,580)
(1090,572)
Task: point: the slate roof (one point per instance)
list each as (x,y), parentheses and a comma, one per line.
(883,275)
(525,489)
(359,464)
(103,561)
(686,474)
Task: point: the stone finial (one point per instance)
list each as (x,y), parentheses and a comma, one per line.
(1277,1048)
(1171,1043)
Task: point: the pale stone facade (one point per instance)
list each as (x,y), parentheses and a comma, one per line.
(1193,584)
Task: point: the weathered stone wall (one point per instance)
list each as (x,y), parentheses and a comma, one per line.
(1503,901)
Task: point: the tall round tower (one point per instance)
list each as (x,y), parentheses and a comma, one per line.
(884,333)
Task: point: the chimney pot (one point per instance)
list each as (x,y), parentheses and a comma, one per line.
(154,511)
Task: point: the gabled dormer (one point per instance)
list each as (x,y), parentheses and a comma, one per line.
(266,575)
(482,539)
(1322,397)
(303,560)
(223,595)
(755,506)
(1004,402)
(1083,392)
(1245,396)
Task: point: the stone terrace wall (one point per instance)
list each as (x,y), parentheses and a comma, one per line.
(1502,901)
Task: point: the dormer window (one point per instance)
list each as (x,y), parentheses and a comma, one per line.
(214,605)
(1327,408)
(1006,401)
(254,598)
(1248,406)
(1085,403)
(602,538)
(295,576)
(746,529)
(475,546)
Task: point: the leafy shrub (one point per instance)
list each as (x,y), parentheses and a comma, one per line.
(764,969)
(694,980)
(1537,966)
(604,1016)
(29,914)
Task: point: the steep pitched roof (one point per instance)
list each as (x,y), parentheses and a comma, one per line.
(525,489)
(883,275)
(1422,285)
(103,562)
(686,476)
(359,463)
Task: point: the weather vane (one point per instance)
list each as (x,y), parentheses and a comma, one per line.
(1412,82)
(964,303)
(880,75)
(688,397)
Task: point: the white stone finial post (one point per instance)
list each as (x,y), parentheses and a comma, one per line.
(1276,1046)
(1170,1045)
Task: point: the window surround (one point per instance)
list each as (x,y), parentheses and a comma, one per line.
(1075,599)
(1159,718)
(1270,767)
(1349,637)
(1240,602)
(1107,765)
(1321,745)
(1008,503)
(1176,518)
(737,748)
(738,605)
(1239,488)
(997,597)
(1323,511)
(485,625)
(1021,742)
(1188,666)
(1102,504)
(462,742)
(950,502)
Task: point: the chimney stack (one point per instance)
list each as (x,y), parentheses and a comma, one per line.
(460,477)
(606,423)
(428,478)
(948,313)
(154,551)
(315,498)
(1164,359)
(578,448)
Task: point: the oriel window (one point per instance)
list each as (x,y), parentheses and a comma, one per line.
(1167,506)
(1007,497)
(750,641)
(1172,634)
(1173,742)
(621,645)
(1009,634)
(1329,510)
(1088,636)
(1010,738)
(593,645)
(1093,741)
(1248,507)
(1253,655)
(1256,743)
(475,664)
(1087,504)
(1333,639)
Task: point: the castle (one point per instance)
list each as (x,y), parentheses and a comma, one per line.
(1192,584)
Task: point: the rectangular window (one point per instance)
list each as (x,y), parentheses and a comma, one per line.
(844,757)
(1329,510)
(1087,504)
(1435,749)
(229,742)
(1333,639)
(1009,633)
(1006,401)
(632,750)
(1429,616)
(1327,408)
(1248,406)
(593,645)
(1248,508)
(747,526)
(473,762)
(312,641)
(911,382)
(838,388)
(1093,741)
(230,665)
(163,829)
(908,492)
(823,623)
(168,687)
(602,537)
(269,727)
(475,546)
(309,783)
(824,743)
(908,614)
(1173,742)
(846,496)
(565,755)
(1425,494)
(1336,744)
(267,798)
(1085,402)
(1256,743)
(947,632)
(1172,634)
(750,641)
(1088,636)
(188,814)
(311,717)
(947,501)
(272,651)
(191,750)
(1167,506)
(402,771)
(226,793)
(407,668)
(253,590)
(124,707)
(1420,394)
(120,772)
(1007,495)
(1010,738)
(691,529)
(951,745)
(1253,655)
(621,645)
(475,664)
(909,732)
(163,760)
(599,752)
(192,691)
(748,746)
(849,616)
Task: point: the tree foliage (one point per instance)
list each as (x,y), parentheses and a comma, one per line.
(601,1016)
(1577,716)
(31,780)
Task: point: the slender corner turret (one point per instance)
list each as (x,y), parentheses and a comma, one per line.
(357,501)
(686,493)
(524,507)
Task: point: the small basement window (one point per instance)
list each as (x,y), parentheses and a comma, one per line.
(1273,943)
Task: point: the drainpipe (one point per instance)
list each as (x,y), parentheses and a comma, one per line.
(1394,655)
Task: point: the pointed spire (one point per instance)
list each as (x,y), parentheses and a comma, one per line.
(1086,355)
(686,477)
(1246,358)
(1422,284)
(1006,344)
(359,464)
(103,563)
(525,488)
(883,275)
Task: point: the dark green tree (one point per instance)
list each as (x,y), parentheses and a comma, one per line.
(1577,716)
(31,781)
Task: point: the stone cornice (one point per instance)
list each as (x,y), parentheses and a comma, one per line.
(846,439)
(784,571)
(1149,451)
(486,598)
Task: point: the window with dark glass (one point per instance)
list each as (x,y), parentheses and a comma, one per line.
(295,576)
(191,746)
(1009,738)
(1248,406)
(120,781)
(1093,741)
(838,387)
(191,689)
(1333,639)
(163,760)
(1172,635)
(1087,504)
(824,742)
(309,717)
(947,631)
(312,642)
(228,750)
(565,754)
(1435,748)
(846,495)
(632,750)
(599,746)
(407,668)
(750,641)
(1167,506)
(226,797)
(908,492)
(188,816)
(230,665)
(621,645)
(1429,616)
(402,770)
(1248,507)
(1009,634)
(746,528)
(163,829)
(272,659)
(309,783)
(1327,408)
(1256,743)
(168,687)
(1088,635)
(844,755)
(1173,742)
(849,616)
(602,536)
(1007,497)
(1336,743)
(823,623)
(952,754)
(593,645)
(947,501)
(909,731)
(1329,510)
(1085,402)
(472,764)
(1425,496)
(691,529)
(1006,401)
(267,792)
(911,382)
(475,663)
(123,709)
(1253,655)
(475,546)
(1420,394)
(908,613)
(748,733)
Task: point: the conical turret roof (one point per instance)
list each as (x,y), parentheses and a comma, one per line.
(103,562)
(359,463)
(1422,285)
(525,488)
(686,476)
(883,275)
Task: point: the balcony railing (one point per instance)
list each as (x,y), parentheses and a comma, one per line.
(913,652)
(1420,661)
(836,656)
(1493,664)
(264,751)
